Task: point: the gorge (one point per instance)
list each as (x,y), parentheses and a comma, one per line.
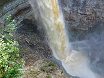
(79,58)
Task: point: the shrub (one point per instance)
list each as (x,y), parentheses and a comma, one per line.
(10,61)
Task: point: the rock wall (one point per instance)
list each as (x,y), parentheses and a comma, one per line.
(82,16)
(19,9)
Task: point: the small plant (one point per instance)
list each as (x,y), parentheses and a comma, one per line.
(10,61)
(48,67)
(49,76)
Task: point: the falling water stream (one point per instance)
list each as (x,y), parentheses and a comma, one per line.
(49,14)
(52,19)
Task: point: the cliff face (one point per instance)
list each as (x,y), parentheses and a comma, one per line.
(79,14)
(84,20)
(82,16)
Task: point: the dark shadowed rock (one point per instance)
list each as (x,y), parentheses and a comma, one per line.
(27,26)
(30,38)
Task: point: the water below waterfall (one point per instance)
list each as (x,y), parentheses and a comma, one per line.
(74,56)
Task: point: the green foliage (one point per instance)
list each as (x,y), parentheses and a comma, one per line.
(10,61)
(9,28)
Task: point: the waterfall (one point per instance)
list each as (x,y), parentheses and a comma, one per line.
(52,18)
(49,14)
